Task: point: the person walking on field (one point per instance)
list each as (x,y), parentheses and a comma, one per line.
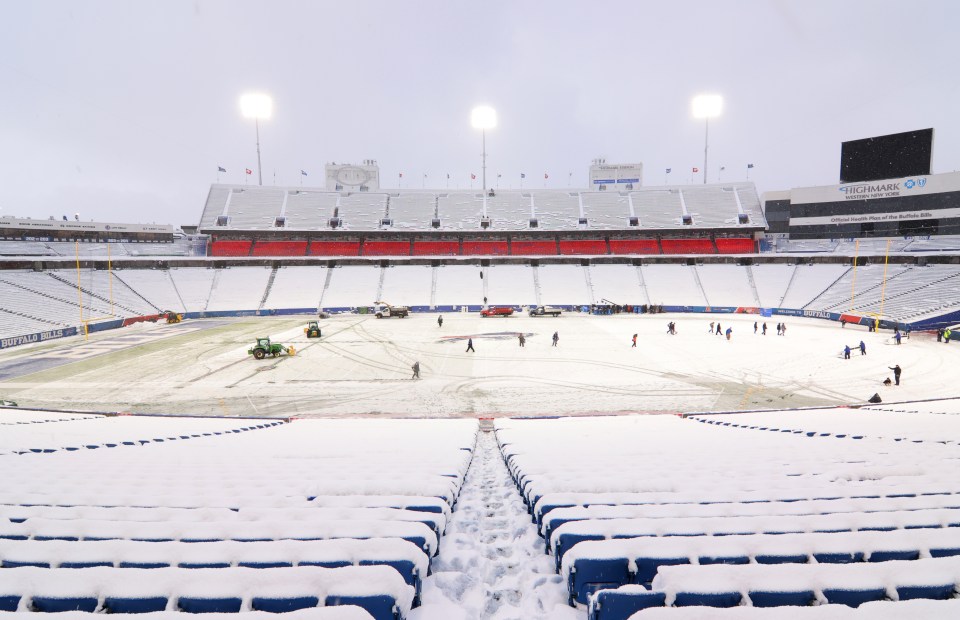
(634,345)
(764,332)
(729,331)
(522,339)
(711,326)
(846,352)
(440,321)
(556,338)
(778,329)
(896,373)
(863,348)
(719,329)
(470,346)
(754,327)
(946,335)
(416,370)
(897,336)
(783,329)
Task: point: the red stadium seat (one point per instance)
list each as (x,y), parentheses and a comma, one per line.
(533,248)
(386,248)
(230,248)
(485,248)
(634,246)
(583,246)
(735,246)
(435,248)
(335,248)
(280,248)
(687,246)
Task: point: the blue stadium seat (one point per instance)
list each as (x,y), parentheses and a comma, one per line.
(799,598)
(781,559)
(647,568)
(887,556)
(144,565)
(838,558)
(616,605)
(735,559)
(567,541)
(265,564)
(938,593)
(944,552)
(589,575)
(707,599)
(203,565)
(118,605)
(9,602)
(51,604)
(84,564)
(381,607)
(854,598)
(334,564)
(194,605)
(283,605)
(16,564)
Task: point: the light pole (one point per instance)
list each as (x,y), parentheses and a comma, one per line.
(706,107)
(483,118)
(257,106)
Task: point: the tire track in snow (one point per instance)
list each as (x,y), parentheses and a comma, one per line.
(491,564)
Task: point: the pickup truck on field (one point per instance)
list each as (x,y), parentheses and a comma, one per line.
(383,309)
(496,311)
(546,311)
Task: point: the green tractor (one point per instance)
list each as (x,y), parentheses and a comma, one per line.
(312,330)
(264,348)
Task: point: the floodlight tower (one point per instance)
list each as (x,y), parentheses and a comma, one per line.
(483,118)
(706,107)
(257,106)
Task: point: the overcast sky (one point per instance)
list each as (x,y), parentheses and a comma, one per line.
(123,110)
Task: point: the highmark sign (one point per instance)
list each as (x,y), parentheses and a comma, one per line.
(874,190)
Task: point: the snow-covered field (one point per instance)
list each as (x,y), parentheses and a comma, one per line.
(361,365)
(291,508)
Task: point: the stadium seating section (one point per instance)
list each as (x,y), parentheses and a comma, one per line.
(634,246)
(386,248)
(280,248)
(211,521)
(791,519)
(485,248)
(583,246)
(687,246)
(735,246)
(435,248)
(334,248)
(230,248)
(533,248)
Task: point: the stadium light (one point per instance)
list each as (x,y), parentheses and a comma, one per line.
(707,107)
(257,106)
(483,118)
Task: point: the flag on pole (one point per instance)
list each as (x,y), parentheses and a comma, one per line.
(749,165)
(696,169)
(303,173)
(401,175)
(249,171)
(668,170)
(221,169)
(722,168)
(546,176)
(473,177)
(523,175)
(448,176)
(499,175)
